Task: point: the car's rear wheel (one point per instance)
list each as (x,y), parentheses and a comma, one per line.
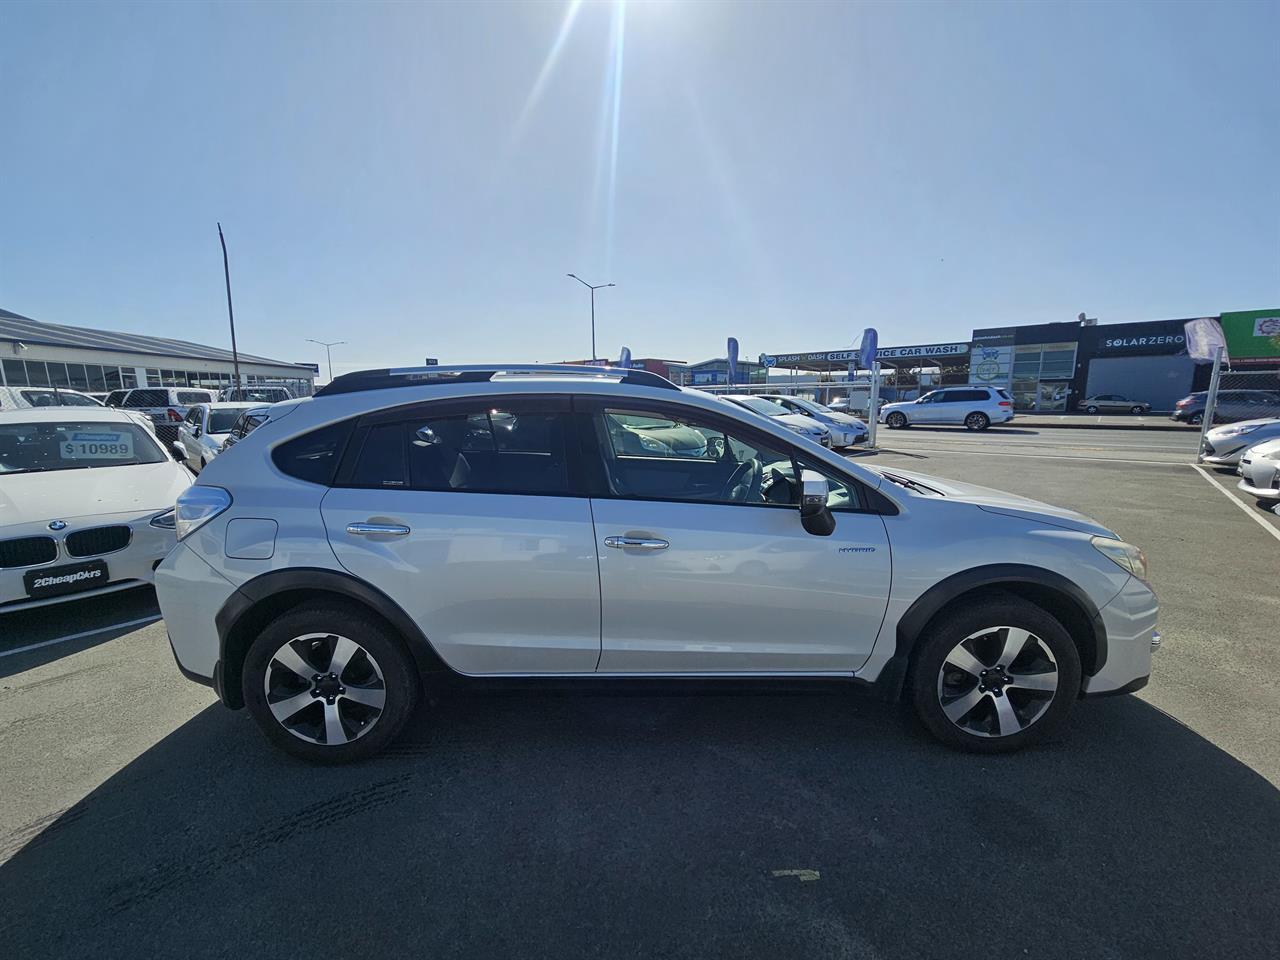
(1091,409)
(329,684)
(896,420)
(977,421)
(995,675)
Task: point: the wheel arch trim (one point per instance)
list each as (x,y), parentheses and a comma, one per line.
(911,624)
(236,613)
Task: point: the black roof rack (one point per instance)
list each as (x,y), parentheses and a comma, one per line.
(392,377)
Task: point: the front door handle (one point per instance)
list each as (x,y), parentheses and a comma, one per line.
(374,529)
(641,543)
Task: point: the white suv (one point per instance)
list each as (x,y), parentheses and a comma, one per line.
(587,522)
(976,407)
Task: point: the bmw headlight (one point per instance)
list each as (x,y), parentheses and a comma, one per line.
(1124,555)
(165,520)
(196,506)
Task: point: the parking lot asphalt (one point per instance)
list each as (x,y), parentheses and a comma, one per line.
(140,818)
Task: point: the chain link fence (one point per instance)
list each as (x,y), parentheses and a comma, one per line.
(1241,395)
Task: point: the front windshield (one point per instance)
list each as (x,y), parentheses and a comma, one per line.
(813,406)
(762,406)
(74,445)
(221,421)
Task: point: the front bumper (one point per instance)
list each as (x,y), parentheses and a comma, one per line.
(131,566)
(1130,625)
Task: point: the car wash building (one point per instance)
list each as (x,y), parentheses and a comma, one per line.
(907,371)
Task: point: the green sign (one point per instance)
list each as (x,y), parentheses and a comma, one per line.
(1252,334)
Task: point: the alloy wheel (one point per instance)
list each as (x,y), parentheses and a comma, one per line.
(976,421)
(997,681)
(325,689)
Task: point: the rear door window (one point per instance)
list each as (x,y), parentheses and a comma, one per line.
(515,448)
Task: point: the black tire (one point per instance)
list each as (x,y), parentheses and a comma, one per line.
(947,631)
(896,420)
(203,463)
(382,645)
(1091,409)
(977,421)
(1137,410)
(1195,419)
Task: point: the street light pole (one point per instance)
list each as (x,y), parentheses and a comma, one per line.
(226,273)
(327,355)
(593,289)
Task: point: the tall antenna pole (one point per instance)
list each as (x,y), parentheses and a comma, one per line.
(226,272)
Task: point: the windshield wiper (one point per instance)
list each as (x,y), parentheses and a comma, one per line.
(910,484)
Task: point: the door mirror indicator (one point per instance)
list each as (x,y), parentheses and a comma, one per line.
(815,515)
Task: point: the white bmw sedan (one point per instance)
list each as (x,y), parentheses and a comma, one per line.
(86,504)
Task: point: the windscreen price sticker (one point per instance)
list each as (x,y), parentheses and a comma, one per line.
(98,446)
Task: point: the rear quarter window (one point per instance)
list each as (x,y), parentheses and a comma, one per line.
(314,456)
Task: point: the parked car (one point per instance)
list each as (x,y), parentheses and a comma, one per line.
(1224,445)
(26,398)
(1113,403)
(86,504)
(1259,470)
(1232,405)
(799,423)
(382,532)
(165,406)
(248,421)
(845,429)
(204,429)
(975,407)
(255,395)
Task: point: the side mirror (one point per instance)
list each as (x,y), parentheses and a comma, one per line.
(176,451)
(195,432)
(815,515)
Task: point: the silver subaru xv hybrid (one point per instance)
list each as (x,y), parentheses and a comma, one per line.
(578,522)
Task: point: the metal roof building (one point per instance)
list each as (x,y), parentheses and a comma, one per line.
(34,353)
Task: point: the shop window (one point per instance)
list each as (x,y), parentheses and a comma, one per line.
(58,376)
(15,373)
(111,378)
(79,377)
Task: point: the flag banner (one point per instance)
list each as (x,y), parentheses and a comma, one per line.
(624,361)
(733,360)
(867,353)
(1204,336)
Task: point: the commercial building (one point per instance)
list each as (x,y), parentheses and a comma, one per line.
(33,353)
(1051,367)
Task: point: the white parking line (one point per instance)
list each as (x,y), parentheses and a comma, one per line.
(1237,501)
(907,451)
(78,636)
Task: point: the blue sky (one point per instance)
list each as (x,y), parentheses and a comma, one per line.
(417,179)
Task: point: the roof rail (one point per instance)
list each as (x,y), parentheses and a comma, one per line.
(389,378)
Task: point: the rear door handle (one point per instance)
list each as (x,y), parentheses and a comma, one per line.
(641,543)
(374,529)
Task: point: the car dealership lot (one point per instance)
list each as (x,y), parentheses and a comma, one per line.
(138,817)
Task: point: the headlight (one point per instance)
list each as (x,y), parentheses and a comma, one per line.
(1237,429)
(1125,555)
(164,520)
(197,505)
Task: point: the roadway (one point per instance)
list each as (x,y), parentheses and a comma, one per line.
(140,818)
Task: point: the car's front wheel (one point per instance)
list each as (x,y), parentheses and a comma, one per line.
(896,420)
(977,421)
(329,683)
(1091,409)
(995,675)
(1195,419)
(1135,409)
